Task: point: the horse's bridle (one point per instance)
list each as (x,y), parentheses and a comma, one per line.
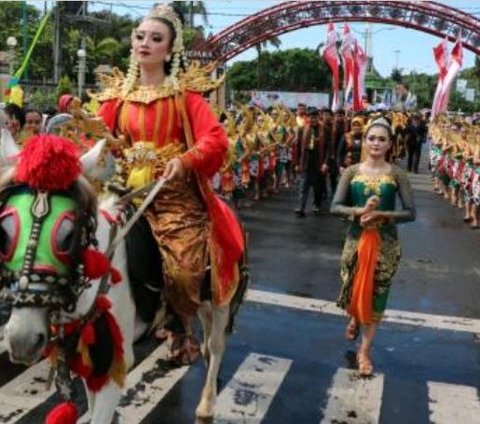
(27,288)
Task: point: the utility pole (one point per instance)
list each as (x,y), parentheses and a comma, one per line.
(397,54)
(369,46)
(56,44)
(190,14)
(82,54)
(24,34)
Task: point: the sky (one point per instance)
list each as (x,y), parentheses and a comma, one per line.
(409,49)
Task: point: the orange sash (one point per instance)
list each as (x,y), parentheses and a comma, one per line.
(361,303)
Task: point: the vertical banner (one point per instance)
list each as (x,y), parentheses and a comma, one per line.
(440,53)
(330,55)
(454,66)
(346,52)
(359,68)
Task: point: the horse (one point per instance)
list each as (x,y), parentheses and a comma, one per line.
(58,293)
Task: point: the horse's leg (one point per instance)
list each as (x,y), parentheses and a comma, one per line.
(105,402)
(216,346)
(205,315)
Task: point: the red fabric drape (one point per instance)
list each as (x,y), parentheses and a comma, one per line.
(330,55)
(361,303)
(346,51)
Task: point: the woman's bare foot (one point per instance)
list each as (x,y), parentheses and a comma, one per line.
(365,366)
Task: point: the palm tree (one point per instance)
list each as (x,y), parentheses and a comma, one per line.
(273,41)
(104,50)
(192,34)
(191,8)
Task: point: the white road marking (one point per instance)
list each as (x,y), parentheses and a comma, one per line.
(353,399)
(147,384)
(145,387)
(25,392)
(248,395)
(452,403)
(439,322)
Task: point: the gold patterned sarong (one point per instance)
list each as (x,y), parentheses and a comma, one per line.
(179,223)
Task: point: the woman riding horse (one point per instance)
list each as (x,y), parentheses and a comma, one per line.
(172,133)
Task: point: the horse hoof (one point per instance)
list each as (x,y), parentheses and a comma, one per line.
(203,412)
(203,415)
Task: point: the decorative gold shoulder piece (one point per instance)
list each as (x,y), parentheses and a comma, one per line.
(111,85)
(198,78)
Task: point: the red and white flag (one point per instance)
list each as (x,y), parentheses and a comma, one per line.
(454,66)
(359,68)
(440,53)
(330,55)
(346,52)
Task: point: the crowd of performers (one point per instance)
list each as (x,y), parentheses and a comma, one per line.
(455,164)
(279,148)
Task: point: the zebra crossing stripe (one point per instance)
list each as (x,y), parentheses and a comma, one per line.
(249,393)
(146,385)
(352,398)
(25,392)
(439,322)
(452,403)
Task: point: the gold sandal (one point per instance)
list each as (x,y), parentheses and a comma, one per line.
(365,366)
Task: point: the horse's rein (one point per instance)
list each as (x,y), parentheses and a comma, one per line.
(152,192)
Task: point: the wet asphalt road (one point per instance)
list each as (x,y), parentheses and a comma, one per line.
(438,275)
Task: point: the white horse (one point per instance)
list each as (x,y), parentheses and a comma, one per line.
(27,331)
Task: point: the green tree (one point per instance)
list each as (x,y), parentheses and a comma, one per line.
(65,86)
(396,75)
(241,75)
(11,22)
(100,45)
(288,70)
(458,103)
(423,86)
(275,42)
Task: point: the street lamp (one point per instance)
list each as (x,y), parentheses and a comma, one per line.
(11,43)
(82,59)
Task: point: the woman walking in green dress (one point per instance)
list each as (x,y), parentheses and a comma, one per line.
(367,193)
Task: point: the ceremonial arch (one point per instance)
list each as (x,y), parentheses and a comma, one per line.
(426,16)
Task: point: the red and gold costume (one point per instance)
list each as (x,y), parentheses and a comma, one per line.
(194,229)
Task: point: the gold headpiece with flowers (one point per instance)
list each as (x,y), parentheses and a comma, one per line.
(166,12)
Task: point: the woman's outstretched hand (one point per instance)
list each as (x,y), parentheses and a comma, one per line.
(175,170)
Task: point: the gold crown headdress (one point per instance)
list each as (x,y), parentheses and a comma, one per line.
(166,12)
(381,121)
